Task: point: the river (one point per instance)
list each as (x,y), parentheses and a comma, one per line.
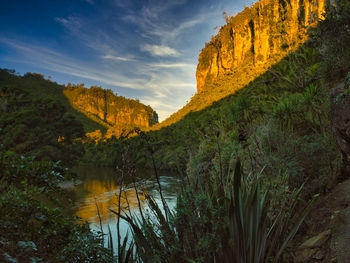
(99,187)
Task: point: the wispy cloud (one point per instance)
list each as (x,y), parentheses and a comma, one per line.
(58,62)
(160,51)
(71,23)
(117,58)
(170,35)
(172,65)
(155,82)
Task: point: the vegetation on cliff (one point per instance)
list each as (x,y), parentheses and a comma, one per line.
(35,86)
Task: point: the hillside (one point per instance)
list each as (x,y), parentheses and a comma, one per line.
(44,119)
(247,46)
(39,88)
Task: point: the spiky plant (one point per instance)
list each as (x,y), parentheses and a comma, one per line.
(217,226)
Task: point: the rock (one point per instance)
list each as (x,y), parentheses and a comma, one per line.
(304,255)
(340,241)
(316,241)
(318,255)
(340,122)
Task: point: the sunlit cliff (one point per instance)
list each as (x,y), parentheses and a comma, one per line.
(247,46)
(114,112)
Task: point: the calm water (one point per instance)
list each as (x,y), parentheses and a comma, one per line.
(100,187)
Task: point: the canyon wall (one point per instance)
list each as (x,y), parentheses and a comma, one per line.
(257,38)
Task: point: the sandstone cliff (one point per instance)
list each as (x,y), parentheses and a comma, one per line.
(247,46)
(114,112)
(257,38)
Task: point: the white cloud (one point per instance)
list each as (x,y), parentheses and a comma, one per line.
(160,51)
(117,58)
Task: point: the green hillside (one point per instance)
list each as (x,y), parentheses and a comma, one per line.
(39,88)
(47,120)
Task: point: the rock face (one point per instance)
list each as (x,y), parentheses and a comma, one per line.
(257,38)
(109,109)
(340,117)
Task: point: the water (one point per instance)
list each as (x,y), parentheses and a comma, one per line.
(99,187)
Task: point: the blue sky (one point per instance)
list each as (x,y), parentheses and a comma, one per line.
(142,49)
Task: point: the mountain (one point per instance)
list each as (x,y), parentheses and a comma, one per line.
(247,46)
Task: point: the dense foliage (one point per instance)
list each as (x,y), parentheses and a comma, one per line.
(334,39)
(39,127)
(32,231)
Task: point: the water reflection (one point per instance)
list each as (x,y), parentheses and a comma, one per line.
(100,187)
(106,197)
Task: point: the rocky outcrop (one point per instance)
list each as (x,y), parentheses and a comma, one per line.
(340,118)
(257,38)
(109,109)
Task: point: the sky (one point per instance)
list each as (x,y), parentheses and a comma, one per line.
(140,49)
